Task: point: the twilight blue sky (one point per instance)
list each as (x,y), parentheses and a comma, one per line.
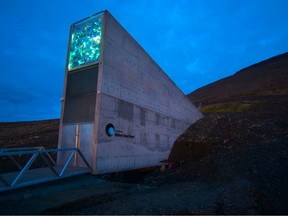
(196,42)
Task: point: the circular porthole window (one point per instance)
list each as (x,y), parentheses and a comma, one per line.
(110,130)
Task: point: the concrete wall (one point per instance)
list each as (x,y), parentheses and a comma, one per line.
(140,100)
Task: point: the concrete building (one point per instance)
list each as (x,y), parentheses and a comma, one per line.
(119,107)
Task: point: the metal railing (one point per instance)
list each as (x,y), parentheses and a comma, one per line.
(11,180)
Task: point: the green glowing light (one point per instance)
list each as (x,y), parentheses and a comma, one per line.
(85,43)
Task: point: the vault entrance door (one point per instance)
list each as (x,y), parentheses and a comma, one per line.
(83,141)
(77,136)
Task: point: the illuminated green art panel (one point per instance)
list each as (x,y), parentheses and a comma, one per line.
(85,42)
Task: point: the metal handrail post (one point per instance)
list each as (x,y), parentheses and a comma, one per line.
(49,165)
(27,166)
(83,158)
(51,159)
(66,164)
(15,162)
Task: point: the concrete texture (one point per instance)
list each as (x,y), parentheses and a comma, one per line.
(146,108)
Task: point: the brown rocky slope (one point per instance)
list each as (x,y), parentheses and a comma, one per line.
(244,134)
(262,82)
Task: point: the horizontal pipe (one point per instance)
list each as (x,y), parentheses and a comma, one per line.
(36,151)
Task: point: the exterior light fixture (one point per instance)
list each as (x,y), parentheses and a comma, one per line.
(110,130)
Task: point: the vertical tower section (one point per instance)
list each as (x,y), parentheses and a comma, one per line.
(80,87)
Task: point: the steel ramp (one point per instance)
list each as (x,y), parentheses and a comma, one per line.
(27,176)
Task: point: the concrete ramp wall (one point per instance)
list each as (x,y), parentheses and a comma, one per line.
(141,101)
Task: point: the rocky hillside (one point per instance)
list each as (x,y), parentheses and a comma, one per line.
(263,82)
(243,137)
(248,146)
(29,134)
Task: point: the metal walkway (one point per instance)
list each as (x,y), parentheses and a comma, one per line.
(45,167)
